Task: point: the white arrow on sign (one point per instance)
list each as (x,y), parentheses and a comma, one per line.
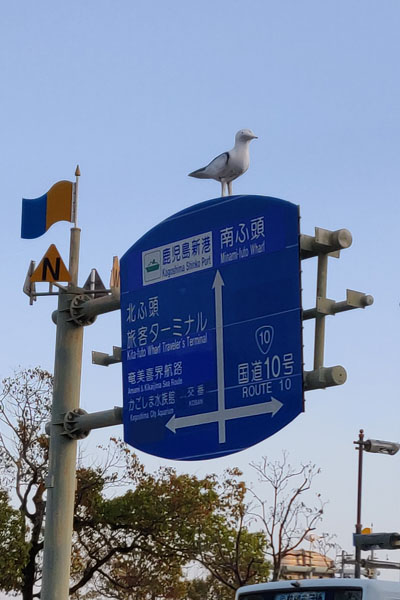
(224,415)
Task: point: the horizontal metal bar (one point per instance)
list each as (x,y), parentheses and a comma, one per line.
(100,306)
(326,306)
(368,563)
(324,242)
(324,377)
(78,423)
(45,294)
(87,311)
(98,420)
(349,561)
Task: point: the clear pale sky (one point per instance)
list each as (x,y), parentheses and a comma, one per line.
(140,94)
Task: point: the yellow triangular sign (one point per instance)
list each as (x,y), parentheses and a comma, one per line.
(51,268)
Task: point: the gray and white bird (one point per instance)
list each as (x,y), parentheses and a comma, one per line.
(229,165)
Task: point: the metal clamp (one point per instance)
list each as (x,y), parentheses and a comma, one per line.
(72,429)
(76,312)
(78,423)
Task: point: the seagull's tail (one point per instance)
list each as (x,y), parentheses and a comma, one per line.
(200,174)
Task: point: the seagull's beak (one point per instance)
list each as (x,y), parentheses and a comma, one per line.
(254,137)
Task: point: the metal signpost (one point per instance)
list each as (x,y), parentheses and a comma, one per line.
(365,539)
(211,329)
(61,479)
(211,337)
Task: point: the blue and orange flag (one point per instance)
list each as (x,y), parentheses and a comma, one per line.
(38,214)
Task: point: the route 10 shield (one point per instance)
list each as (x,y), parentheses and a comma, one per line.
(211,329)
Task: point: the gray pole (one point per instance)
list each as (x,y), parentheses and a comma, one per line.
(357,568)
(319,317)
(62,462)
(343,559)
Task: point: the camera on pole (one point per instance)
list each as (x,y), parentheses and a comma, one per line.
(377,541)
(381,447)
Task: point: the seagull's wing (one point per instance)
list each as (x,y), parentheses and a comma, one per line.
(214,170)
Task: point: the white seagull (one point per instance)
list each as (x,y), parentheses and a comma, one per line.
(228,166)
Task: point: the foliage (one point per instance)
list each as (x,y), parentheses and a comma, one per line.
(231,554)
(134,531)
(138,542)
(24,408)
(200,589)
(13,548)
(208,589)
(228,551)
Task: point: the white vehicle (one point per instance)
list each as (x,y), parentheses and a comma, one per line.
(321,589)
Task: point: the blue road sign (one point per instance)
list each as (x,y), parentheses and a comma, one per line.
(211,329)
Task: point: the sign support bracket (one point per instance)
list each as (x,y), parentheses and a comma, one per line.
(77,423)
(103,359)
(323,244)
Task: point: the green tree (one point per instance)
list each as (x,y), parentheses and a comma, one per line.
(135,543)
(231,553)
(13,548)
(200,589)
(24,408)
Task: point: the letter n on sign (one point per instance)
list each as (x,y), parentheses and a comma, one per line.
(51,268)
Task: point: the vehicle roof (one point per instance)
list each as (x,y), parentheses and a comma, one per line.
(371,584)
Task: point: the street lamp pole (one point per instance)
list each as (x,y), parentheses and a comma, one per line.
(360,442)
(376,447)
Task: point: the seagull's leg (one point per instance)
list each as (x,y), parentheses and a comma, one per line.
(222,188)
(229,188)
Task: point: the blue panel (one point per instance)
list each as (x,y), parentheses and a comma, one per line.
(211,329)
(33,222)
